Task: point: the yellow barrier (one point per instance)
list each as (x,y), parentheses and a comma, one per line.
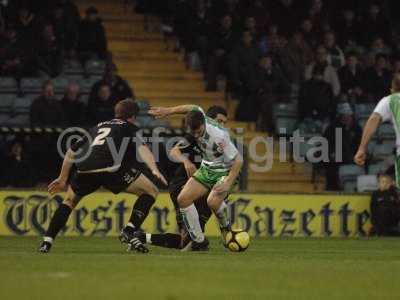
(29,213)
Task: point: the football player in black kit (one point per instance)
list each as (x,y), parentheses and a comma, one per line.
(178,175)
(101,169)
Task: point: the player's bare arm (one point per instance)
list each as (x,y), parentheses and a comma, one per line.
(60,183)
(149,160)
(162,112)
(370,127)
(229,180)
(177,155)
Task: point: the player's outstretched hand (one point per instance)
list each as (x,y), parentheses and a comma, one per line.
(160,176)
(56,186)
(360,157)
(159,112)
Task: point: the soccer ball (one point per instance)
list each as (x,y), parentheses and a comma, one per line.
(237,240)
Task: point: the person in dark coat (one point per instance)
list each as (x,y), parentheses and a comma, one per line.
(120,88)
(102,107)
(72,107)
(351,136)
(92,38)
(385,208)
(46,110)
(17,170)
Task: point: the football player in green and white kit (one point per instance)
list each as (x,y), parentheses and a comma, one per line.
(388,109)
(217,175)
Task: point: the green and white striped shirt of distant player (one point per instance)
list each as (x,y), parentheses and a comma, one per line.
(389,110)
(218,150)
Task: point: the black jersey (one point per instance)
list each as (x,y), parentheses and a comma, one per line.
(176,171)
(112,144)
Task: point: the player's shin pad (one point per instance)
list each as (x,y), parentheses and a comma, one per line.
(191,219)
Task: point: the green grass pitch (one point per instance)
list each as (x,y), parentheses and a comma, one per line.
(99,268)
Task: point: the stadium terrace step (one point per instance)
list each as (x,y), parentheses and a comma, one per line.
(151,66)
(204,103)
(134,38)
(127,27)
(178,75)
(282,168)
(147,45)
(282,177)
(128,56)
(170,85)
(189,97)
(287,187)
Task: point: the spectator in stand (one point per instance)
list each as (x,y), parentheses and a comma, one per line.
(27,25)
(66,29)
(385,208)
(49,54)
(377,79)
(46,110)
(72,107)
(351,136)
(318,13)
(251,26)
(270,43)
(335,54)
(102,107)
(242,64)
(17,170)
(221,44)
(295,57)
(92,38)
(120,89)
(198,31)
(269,87)
(375,24)
(15,59)
(351,75)
(309,34)
(379,47)
(285,14)
(348,29)
(330,74)
(260,13)
(316,99)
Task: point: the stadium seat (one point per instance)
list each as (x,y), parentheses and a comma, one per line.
(348,176)
(8,85)
(287,123)
(95,67)
(367,183)
(87,83)
(4,118)
(285,110)
(386,132)
(72,67)
(22,105)
(363,111)
(350,186)
(60,84)
(383,150)
(32,85)
(7,103)
(377,168)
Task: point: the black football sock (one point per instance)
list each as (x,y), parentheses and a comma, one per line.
(58,221)
(141,209)
(166,240)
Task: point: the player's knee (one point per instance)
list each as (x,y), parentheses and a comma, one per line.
(213,203)
(183,200)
